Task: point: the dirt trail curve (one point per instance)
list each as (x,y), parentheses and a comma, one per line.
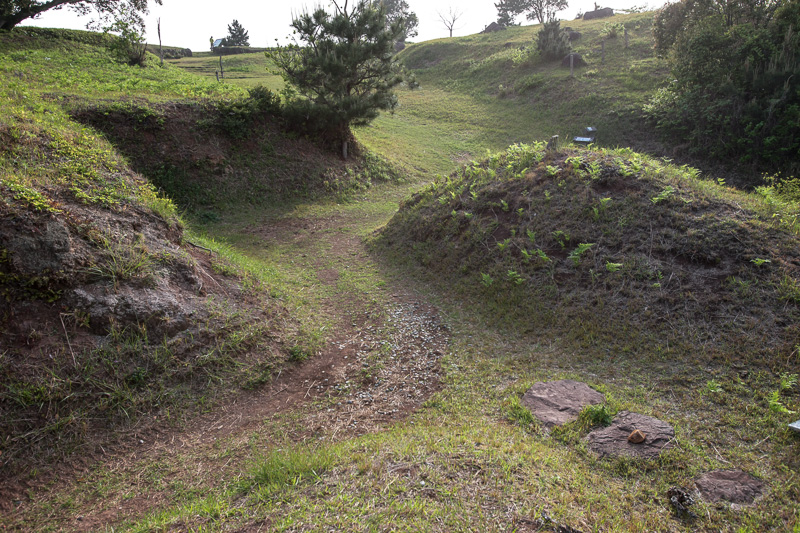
(381,362)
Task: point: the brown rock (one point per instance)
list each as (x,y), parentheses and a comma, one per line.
(557,402)
(613,440)
(734,486)
(599,14)
(577,60)
(636,437)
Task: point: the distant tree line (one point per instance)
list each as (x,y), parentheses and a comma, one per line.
(736,89)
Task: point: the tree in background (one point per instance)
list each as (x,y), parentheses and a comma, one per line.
(237,35)
(449,19)
(541,10)
(130,45)
(736,89)
(12,12)
(343,67)
(398,10)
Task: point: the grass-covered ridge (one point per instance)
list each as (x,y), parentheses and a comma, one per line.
(487,91)
(622,254)
(107,313)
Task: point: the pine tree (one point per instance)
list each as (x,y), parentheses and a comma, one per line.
(552,42)
(237,35)
(343,66)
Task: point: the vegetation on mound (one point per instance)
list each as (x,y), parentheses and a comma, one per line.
(532,96)
(621,253)
(213,155)
(68,62)
(106,313)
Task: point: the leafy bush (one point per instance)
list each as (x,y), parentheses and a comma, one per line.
(667,24)
(552,42)
(736,94)
(612,30)
(129,46)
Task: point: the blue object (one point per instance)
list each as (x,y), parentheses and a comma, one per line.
(588,136)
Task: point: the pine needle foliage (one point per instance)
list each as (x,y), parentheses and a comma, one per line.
(342,65)
(237,35)
(552,42)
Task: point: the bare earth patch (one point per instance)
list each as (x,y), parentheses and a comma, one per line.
(380,363)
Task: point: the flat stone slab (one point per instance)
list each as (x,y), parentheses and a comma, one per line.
(557,402)
(612,441)
(734,486)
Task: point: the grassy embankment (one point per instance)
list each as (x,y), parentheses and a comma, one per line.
(472,459)
(68,372)
(462,465)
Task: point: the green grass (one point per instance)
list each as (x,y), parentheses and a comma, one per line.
(241,70)
(475,96)
(470,459)
(480,93)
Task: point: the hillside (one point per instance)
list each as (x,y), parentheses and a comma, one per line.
(110,312)
(210,324)
(485,92)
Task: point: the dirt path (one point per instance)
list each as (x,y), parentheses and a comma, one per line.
(380,363)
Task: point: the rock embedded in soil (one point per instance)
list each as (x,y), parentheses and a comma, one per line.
(734,486)
(613,440)
(557,402)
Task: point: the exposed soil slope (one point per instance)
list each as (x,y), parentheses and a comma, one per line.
(210,157)
(106,313)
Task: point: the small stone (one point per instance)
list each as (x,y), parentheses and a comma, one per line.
(681,500)
(636,437)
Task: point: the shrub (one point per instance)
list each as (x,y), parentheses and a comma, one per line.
(552,42)
(235,117)
(667,24)
(612,30)
(736,94)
